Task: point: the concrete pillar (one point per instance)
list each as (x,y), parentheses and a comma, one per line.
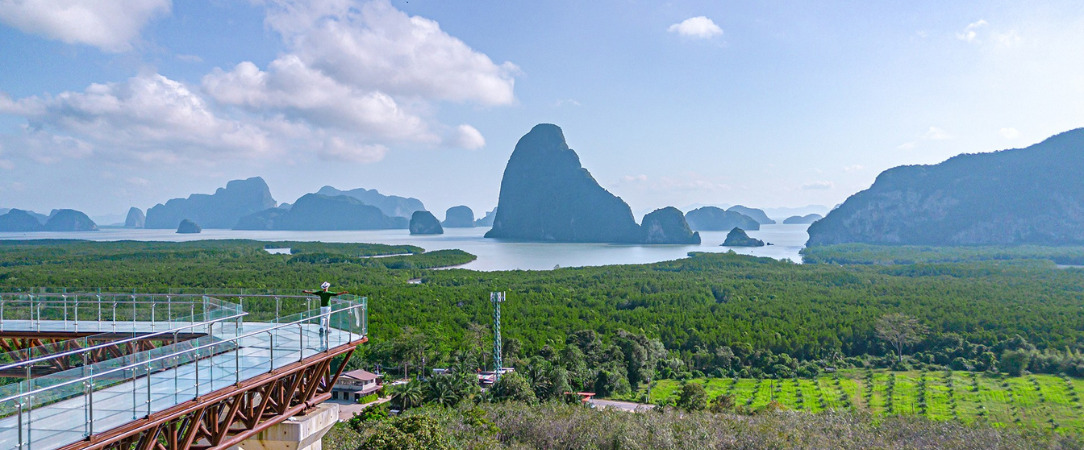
(296,433)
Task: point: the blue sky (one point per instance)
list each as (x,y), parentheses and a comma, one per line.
(767,104)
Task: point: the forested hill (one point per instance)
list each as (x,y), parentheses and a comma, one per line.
(1033,195)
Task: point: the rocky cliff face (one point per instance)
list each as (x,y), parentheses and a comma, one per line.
(220,210)
(135,218)
(1033,195)
(667,226)
(710,218)
(546,195)
(390,205)
(320,212)
(424,222)
(17,220)
(459,217)
(70,220)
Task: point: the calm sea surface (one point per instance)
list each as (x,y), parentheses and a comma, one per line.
(492,254)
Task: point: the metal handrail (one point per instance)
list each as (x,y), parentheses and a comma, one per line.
(122,341)
(147,362)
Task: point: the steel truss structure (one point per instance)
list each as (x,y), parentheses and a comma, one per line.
(14,342)
(227,417)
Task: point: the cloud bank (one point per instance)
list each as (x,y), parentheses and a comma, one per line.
(111,25)
(355,80)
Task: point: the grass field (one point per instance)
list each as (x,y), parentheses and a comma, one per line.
(1046,402)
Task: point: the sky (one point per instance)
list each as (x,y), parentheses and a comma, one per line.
(107,105)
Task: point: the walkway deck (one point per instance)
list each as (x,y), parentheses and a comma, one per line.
(73,408)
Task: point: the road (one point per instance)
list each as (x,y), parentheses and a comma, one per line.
(618,405)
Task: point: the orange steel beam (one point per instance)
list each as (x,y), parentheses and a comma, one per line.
(228,416)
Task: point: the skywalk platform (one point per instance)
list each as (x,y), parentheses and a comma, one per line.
(150,396)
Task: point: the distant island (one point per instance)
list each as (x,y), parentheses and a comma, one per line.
(738,238)
(314,212)
(219,210)
(424,222)
(1033,195)
(188,227)
(546,195)
(459,217)
(59,220)
(710,218)
(757,214)
(802,220)
(390,205)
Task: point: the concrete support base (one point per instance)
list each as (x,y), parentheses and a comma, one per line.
(296,433)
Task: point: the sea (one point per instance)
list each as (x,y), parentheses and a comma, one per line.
(493,254)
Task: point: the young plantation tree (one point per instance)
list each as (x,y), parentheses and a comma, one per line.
(899,330)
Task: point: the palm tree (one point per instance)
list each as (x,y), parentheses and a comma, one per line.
(441,389)
(409,395)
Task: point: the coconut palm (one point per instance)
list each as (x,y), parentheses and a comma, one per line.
(409,395)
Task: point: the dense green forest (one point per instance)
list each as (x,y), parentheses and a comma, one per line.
(713,314)
(516,425)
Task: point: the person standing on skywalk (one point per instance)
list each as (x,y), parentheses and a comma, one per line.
(325,306)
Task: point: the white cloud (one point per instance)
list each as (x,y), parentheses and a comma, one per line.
(337,149)
(853,168)
(148,118)
(970,33)
(698,27)
(688,182)
(936,134)
(468,137)
(377,47)
(566,101)
(818,185)
(366,73)
(1009,133)
(111,25)
(189,58)
(932,134)
(138,181)
(5,163)
(298,91)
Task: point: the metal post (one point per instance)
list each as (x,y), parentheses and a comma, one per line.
(148,388)
(271,348)
(301,338)
(64,299)
(237,364)
(135,396)
(20,425)
(278,303)
(114,315)
(196,362)
(152,314)
(89,415)
(77,313)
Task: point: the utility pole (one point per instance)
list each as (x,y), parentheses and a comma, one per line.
(497,298)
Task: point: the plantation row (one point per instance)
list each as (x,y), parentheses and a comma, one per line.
(1043,402)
